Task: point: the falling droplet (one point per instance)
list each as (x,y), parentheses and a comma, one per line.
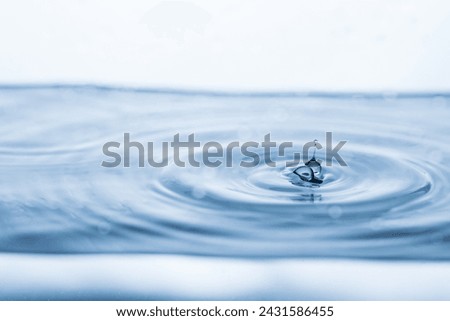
(315,147)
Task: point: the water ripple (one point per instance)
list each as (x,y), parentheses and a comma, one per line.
(390,202)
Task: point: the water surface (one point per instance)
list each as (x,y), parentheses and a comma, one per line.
(390,203)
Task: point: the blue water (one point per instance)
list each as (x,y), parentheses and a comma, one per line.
(390,204)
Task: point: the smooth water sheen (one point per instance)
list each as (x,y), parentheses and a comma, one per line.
(390,202)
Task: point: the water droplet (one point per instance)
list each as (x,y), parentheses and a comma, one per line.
(305,173)
(313,163)
(311,171)
(315,148)
(315,166)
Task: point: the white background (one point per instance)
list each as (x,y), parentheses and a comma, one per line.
(243,45)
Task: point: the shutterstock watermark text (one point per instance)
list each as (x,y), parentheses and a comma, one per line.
(188,151)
